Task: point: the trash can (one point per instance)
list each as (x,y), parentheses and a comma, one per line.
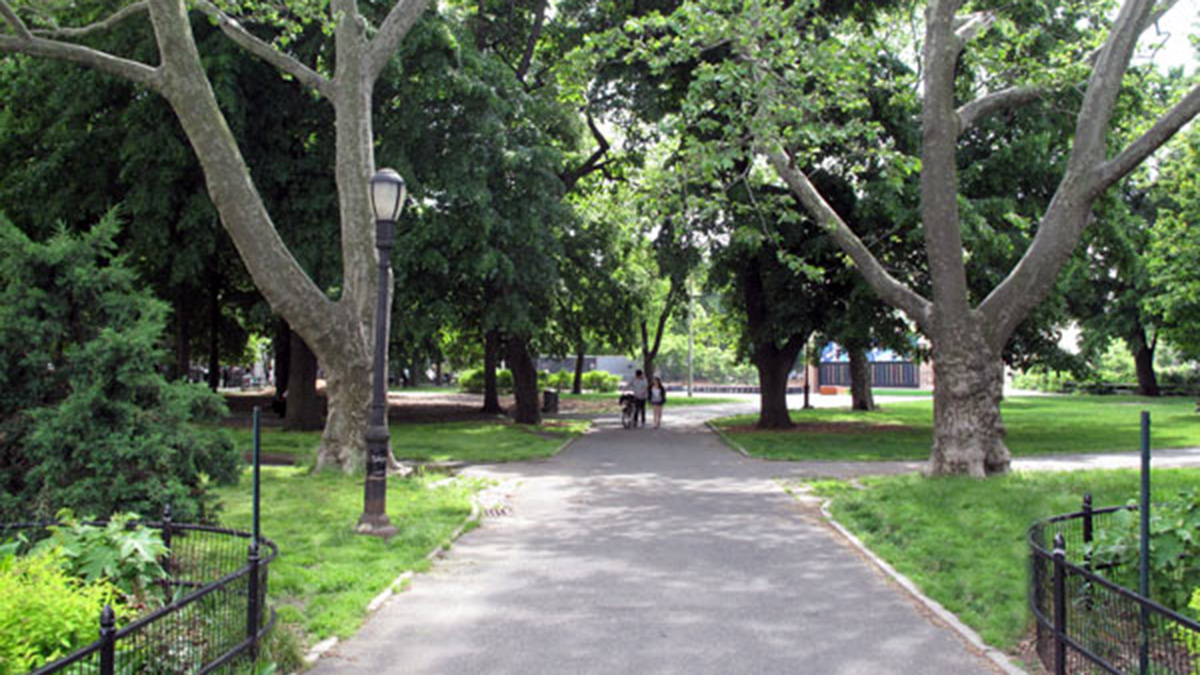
(550,401)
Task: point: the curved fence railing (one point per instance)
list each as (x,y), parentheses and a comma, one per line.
(1088,624)
(215,614)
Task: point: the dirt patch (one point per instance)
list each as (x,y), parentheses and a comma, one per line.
(823,428)
(408,407)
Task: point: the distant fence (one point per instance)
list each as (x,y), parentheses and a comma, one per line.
(215,621)
(883,374)
(1086,623)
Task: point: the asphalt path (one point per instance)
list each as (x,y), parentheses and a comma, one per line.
(652,552)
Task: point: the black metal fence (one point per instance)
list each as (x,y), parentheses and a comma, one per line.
(1088,624)
(215,616)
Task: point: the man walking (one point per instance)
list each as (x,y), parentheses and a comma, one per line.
(641,391)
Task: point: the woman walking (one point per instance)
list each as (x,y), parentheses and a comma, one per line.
(658,397)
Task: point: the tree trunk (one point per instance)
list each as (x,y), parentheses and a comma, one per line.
(773,365)
(525,386)
(348,397)
(283,356)
(338,332)
(303,407)
(183,340)
(968,437)
(577,385)
(1143,359)
(491,354)
(417,372)
(861,397)
(214,325)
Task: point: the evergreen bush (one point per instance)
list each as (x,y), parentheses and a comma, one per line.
(601,381)
(87,420)
(472,380)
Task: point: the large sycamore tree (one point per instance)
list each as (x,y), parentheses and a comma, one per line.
(337,330)
(968,336)
(795,78)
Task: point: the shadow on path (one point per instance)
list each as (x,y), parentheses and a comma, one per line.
(647,552)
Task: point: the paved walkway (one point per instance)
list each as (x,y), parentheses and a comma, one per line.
(651,552)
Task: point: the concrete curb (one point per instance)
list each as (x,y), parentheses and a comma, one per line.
(1000,659)
(729,443)
(398,585)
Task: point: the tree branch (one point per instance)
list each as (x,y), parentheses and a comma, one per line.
(263,50)
(973,112)
(399,21)
(593,163)
(15,21)
(1162,131)
(888,287)
(133,71)
(976,110)
(967,28)
(534,35)
(116,18)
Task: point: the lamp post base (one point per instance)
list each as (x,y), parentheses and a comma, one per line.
(375,525)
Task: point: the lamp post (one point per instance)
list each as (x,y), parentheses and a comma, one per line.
(387,199)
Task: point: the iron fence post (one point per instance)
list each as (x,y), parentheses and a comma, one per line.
(1144,548)
(1060,606)
(1087,545)
(108,638)
(252,602)
(168,558)
(166,526)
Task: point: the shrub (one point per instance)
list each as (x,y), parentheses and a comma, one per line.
(472,380)
(87,421)
(1174,550)
(601,381)
(45,613)
(1042,379)
(125,555)
(563,379)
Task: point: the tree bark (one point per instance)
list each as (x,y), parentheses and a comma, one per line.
(968,434)
(773,364)
(525,386)
(577,384)
(283,356)
(303,406)
(214,325)
(861,397)
(491,355)
(1143,359)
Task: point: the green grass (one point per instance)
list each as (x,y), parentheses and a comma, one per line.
(1036,426)
(963,540)
(454,441)
(482,442)
(326,573)
(301,445)
(901,391)
(674,398)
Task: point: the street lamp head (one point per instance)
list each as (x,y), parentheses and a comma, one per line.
(387,195)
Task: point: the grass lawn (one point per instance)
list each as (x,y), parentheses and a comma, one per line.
(326,573)
(963,540)
(674,398)
(1037,425)
(458,441)
(901,391)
